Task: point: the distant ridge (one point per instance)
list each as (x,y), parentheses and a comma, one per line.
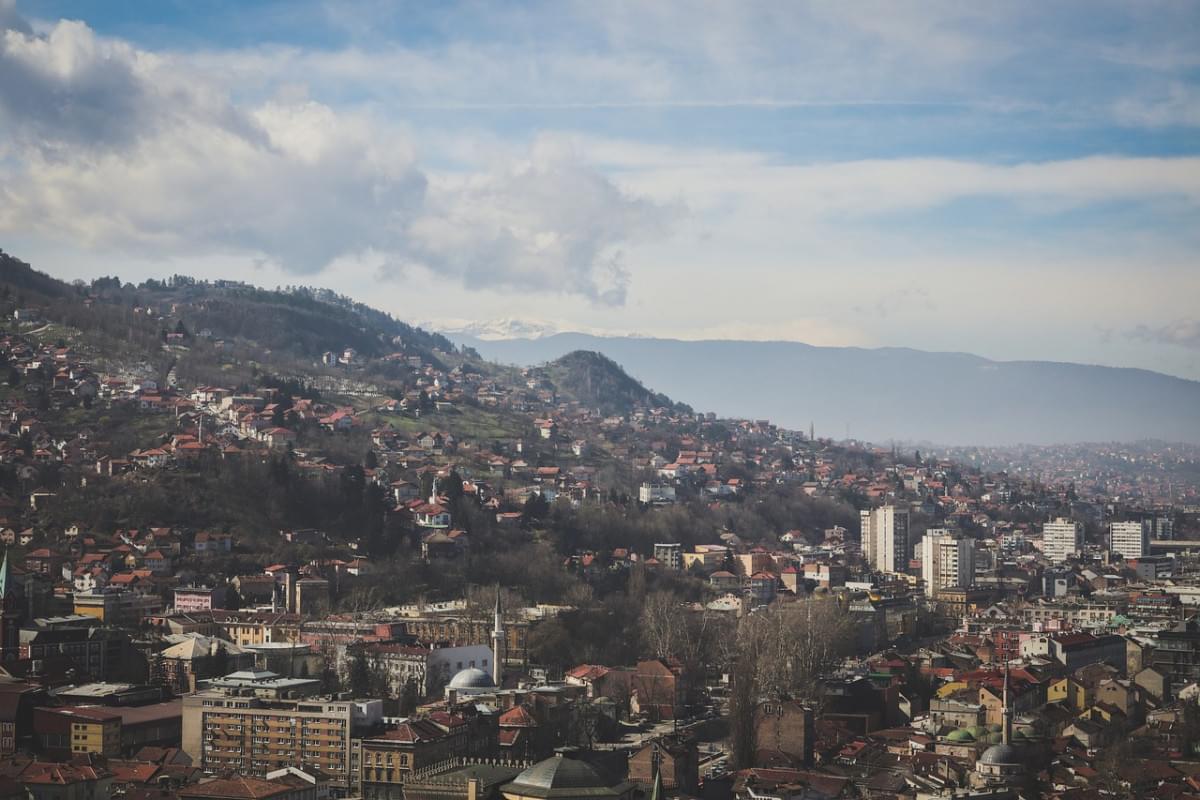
(890,394)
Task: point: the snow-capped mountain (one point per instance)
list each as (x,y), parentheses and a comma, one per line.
(504,328)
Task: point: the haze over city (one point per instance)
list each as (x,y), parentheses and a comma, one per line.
(1017,180)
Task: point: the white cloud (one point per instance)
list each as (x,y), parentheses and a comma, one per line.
(549,224)
(116,148)
(879,186)
(1181,332)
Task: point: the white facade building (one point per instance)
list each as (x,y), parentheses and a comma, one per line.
(947,561)
(1061,539)
(669,554)
(656,494)
(885,538)
(1130,539)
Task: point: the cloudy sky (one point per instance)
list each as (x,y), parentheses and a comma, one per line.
(1018,180)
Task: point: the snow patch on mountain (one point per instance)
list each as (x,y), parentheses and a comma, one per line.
(506,328)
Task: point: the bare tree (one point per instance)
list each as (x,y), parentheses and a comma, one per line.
(782,652)
(662,620)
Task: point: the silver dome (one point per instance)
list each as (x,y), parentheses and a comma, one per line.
(472,678)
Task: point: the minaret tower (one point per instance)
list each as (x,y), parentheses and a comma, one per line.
(1006,731)
(497,643)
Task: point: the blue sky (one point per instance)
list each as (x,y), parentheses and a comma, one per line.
(1019,180)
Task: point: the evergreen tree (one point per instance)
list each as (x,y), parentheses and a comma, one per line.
(360,675)
(452,487)
(535,508)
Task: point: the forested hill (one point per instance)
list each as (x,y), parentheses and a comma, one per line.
(597,381)
(297,323)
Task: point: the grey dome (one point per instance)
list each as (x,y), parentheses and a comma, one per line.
(1001,755)
(559,777)
(472,678)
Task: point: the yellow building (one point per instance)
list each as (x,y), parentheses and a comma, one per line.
(1070,693)
(74,729)
(255,627)
(100,606)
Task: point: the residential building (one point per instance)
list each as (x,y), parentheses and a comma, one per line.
(675,758)
(785,728)
(388,759)
(1062,538)
(1075,650)
(656,494)
(1130,540)
(885,538)
(947,561)
(189,599)
(193,657)
(254,729)
(96,653)
(47,780)
(669,554)
(69,730)
(240,787)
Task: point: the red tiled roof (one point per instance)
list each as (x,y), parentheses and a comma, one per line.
(518,717)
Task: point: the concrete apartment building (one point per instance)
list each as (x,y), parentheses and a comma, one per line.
(251,723)
(885,538)
(669,554)
(1129,539)
(1061,539)
(947,561)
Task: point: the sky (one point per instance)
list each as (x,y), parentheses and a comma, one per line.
(1019,180)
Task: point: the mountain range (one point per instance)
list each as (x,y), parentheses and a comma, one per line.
(878,395)
(889,394)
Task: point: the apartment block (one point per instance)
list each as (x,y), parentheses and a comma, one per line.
(1129,539)
(947,561)
(1061,539)
(885,538)
(255,722)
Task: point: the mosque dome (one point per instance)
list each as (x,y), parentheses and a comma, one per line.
(1000,755)
(562,778)
(471,678)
